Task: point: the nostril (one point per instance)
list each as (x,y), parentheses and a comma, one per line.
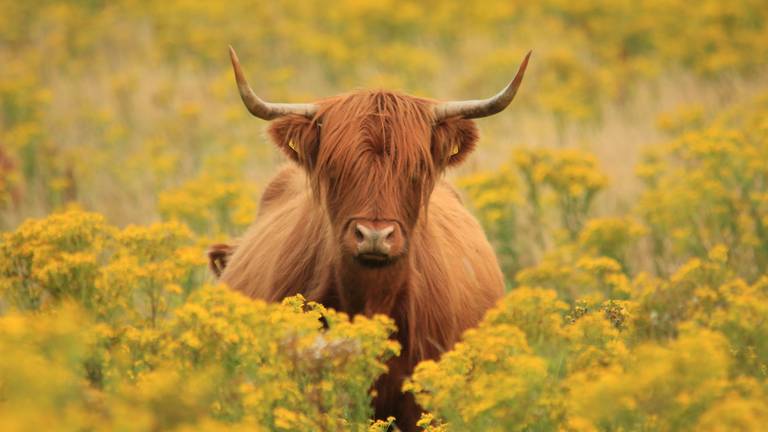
(390,235)
(359,236)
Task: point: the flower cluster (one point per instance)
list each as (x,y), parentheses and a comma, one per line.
(525,204)
(211,205)
(105,329)
(653,320)
(676,355)
(707,186)
(648,314)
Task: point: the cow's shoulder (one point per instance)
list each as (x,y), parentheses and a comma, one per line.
(447,191)
(282,186)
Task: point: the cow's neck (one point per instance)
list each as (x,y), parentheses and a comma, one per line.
(371,291)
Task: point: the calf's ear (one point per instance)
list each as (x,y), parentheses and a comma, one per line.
(453,139)
(297,136)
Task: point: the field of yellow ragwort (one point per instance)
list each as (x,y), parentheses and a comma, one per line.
(625,191)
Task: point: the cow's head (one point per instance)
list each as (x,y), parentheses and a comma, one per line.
(373,157)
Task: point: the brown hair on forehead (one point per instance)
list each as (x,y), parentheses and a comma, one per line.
(377,141)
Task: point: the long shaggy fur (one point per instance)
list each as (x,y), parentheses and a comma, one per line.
(375,155)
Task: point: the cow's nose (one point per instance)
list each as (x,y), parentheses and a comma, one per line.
(374,240)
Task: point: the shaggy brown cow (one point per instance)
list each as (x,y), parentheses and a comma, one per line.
(362,222)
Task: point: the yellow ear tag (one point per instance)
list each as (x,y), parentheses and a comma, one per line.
(455,149)
(292,145)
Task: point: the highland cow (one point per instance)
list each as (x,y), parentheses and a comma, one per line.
(361,221)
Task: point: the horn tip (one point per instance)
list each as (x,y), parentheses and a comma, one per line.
(527,56)
(521,71)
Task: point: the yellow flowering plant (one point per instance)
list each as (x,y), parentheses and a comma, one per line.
(527,202)
(129,339)
(642,311)
(217,202)
(707,187)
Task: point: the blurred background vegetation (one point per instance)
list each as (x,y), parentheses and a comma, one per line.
(625,191)
(115,104)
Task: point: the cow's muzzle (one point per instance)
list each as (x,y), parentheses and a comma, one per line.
(375,243)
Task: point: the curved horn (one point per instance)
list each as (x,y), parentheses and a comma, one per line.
(483,107)
(258,107)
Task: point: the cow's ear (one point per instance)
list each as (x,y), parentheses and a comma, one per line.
(453,139)
(218,256)
(297,136)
